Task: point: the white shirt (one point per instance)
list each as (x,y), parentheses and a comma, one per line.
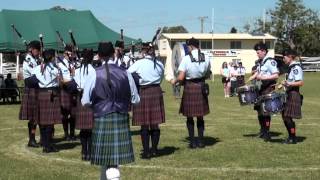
(49,78)
(65,68)
(194,70)
(29,64)
(81,75)
(149,74)
(296,73)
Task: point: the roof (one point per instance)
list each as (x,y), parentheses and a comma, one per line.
(231,36)
(87,30)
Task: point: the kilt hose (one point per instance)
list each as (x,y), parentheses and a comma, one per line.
(193,102)
(49,110)
(28,108)
(65,100)
(292,107)
(82,115)
(150,110)
(111,140)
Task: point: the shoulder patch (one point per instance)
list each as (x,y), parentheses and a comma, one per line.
(295,71)
(273,63)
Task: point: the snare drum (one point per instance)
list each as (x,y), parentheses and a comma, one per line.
(247,94)
(272,103)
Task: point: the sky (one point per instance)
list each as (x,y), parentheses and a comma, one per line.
(141,18)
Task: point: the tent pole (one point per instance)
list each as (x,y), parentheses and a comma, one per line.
(1,63)
(17,65)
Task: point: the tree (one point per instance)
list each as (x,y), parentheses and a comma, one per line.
(174,29)
(233,30)
(295,26)
(60,8)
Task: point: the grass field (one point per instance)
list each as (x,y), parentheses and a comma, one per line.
(231,152)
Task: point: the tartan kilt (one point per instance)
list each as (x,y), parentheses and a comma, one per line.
(111,140)
(65,100)
(292,107)
(150,110)
(193,102)
(49,107)
(28,108)
(82,115)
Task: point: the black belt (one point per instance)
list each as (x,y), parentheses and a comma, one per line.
(196,80)
(50,89)
(149,85)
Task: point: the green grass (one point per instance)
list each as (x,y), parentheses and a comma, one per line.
(230,153)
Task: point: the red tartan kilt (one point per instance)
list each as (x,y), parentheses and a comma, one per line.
(49,111)
(150,110)
(83,116)
(193,102)
(65,100)
(28,108)
(292,106)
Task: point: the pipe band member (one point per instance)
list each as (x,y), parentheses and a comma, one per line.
(267,73)
(28,109)
(292,108)
(193,70)
(149,113)
(108,92)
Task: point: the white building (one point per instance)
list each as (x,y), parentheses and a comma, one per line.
(232,47)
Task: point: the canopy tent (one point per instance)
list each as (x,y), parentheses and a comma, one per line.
(87,30)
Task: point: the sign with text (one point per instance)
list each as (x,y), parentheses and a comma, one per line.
(225,53)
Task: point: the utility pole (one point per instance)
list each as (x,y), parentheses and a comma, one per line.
(202,18)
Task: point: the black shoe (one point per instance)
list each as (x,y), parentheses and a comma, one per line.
(266,137)
(33,143)
(67,138)
(49,149)
(201,144)
(290,141)
(154,152)
(145,155)
(192,145)
(72,138)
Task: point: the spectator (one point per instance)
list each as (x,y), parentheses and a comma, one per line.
(241,72)
(11,87)
(233,79)
(225,73)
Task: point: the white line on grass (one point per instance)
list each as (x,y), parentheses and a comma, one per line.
(23,151)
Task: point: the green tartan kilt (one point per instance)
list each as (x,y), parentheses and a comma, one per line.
(111,140)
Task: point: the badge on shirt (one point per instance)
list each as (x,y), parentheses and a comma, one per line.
(295,71)
(273,63)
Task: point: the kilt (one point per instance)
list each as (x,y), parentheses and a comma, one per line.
(292,106)
(28,108)
(65,100)
(83,115)
(150,110)
(49,107)
(193,103)
(111,140)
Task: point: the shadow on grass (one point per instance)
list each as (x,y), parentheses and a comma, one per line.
(272,134)
(67,145)
(208,141)
(167,150)
(299,140)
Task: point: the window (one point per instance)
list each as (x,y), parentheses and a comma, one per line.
(268,44)
(205,44)
(235,45)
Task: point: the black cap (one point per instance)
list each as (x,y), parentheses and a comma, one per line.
(119,44)
(146,45)
(48,54)
(87,54)
(193,42)
(288,52)
(260,46)
(105,49)
(35,44)
(69,47)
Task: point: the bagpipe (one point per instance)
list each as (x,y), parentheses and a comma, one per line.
(25,42)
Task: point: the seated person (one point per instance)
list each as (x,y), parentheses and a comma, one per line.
(11,87)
